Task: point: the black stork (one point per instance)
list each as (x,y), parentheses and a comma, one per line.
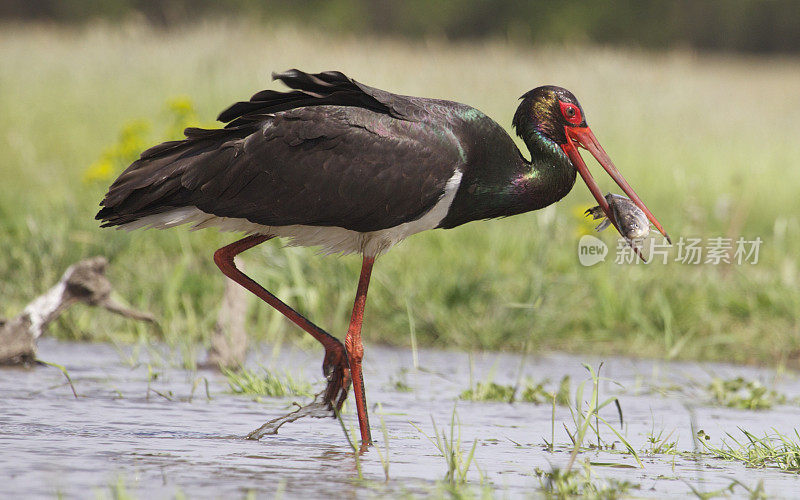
(350,168)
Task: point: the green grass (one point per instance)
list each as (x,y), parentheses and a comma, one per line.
(457,459)
(588,420)
(708,142)
(581,484)
(743,394)
(399,383)
(528,391)
(266,383)
(772,450)
(117,490)
(489,391)
(661,443)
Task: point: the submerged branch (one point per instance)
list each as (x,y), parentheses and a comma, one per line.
(318,408)
(84,281)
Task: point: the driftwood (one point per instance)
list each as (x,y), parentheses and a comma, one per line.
(318,408)
(229,338)
(84,281)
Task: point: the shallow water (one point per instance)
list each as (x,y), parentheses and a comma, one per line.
(116,431)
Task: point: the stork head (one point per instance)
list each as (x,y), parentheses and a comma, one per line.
(555,115)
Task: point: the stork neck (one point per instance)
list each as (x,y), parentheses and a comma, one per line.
(549,175)
(498,181)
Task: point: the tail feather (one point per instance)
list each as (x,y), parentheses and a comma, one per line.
(317,89)
(166,175)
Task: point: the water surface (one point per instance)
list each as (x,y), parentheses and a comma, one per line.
(183,442)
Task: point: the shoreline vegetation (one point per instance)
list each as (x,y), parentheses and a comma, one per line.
(707,141)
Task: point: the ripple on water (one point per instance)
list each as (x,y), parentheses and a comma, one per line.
(52,442)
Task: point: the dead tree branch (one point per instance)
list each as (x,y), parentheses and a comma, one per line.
(84,281)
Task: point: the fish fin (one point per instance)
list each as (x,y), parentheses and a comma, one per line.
(595,212)
(603,225)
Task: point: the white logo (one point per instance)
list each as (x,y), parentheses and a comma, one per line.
(591,250)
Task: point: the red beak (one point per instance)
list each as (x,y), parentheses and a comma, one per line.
(583,137)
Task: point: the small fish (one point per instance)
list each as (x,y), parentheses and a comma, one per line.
(632,221)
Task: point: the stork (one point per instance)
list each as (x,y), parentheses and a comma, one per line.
(340,165)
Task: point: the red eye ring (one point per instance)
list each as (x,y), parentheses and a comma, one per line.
(570,112)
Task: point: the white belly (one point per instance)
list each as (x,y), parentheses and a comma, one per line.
(330,239)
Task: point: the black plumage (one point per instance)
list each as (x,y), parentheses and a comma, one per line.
(331,153)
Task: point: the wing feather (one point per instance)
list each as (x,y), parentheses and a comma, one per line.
(343,166)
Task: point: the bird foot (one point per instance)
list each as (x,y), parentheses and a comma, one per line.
(337,371)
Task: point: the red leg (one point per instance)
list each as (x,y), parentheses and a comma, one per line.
(335,366)
(355,351)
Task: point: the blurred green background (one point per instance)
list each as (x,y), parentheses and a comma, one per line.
(694,101)
(758,26)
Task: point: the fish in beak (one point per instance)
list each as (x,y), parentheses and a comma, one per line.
(631,221)
(583,137)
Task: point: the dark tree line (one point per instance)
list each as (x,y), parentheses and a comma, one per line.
(757,26)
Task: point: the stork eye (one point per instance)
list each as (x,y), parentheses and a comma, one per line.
(571,113)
